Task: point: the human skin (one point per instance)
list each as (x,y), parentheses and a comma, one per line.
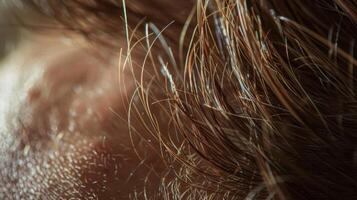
(67,130)
(68,140)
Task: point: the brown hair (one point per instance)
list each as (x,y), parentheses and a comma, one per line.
(260,95)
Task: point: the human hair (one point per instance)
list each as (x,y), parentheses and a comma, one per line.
(241,99)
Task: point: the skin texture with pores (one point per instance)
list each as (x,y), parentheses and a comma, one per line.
(67,130)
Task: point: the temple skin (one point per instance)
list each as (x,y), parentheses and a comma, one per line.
(65,130)
(68,136)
